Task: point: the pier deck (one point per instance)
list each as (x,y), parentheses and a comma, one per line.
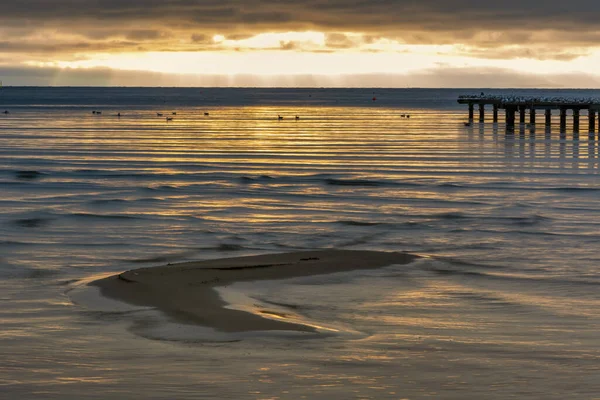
(523,105)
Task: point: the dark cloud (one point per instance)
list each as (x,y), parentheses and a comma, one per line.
(37,47)
(68,29)
(399,17)
(200,38)
(238,36)
(145,34)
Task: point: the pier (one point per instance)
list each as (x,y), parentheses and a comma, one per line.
(530,105)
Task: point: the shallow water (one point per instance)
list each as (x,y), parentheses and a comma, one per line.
(504,304)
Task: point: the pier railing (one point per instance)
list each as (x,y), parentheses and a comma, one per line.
(524,105)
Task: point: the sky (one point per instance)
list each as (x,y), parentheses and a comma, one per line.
(331,43)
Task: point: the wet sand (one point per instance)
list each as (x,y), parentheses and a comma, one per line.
(186,291)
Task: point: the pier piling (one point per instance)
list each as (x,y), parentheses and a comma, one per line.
(532,116)
(592,120)
(495,113)
(563,119)
(522,114)
(576,120)
(471,112)
(481,112)
(548,117)
(510,117)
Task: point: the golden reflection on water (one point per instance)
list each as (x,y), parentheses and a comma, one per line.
(323,138)
(370,144)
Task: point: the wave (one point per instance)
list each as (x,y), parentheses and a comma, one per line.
(451,215)
(124,202)
(462,263)
(229,247)
(573,189)
(100,173)
(519,221)
(41,273)
(226,247)
(108,201)
(13,243)
(104,216)
(32,222)
(165,258)
(249,179)
(14,271)
(353,182)
(161,188)
(186,255)
(324,178)
(503,276)
(440,265)
(29,175)
(359,223)
(447,271)
(42,218)
(527,221)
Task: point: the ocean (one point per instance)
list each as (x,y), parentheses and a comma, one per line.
(504,302)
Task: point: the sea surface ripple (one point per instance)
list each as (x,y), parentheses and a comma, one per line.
(505,302)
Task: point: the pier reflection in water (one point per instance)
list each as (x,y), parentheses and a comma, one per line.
(541,147)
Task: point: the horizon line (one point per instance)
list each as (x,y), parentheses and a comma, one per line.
(304,87)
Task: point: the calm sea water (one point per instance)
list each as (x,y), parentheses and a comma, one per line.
(504,304)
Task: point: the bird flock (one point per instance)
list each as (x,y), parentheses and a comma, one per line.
(512,99)
(279,117)
(158,114)
(206,114)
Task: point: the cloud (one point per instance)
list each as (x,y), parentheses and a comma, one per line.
(145,34)
(425,22)
(340,41)
(288,45)
(532,52)
(200,38)
(42,31)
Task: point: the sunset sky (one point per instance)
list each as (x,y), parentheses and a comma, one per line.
(390,43)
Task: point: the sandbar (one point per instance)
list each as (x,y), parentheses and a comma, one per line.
(186,292)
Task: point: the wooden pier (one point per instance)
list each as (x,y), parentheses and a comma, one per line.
(530,105)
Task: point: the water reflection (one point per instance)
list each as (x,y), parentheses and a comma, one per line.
(544,148)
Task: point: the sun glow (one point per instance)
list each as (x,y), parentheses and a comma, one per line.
(269,62)
(277,41)
(266,62)
(310,53)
